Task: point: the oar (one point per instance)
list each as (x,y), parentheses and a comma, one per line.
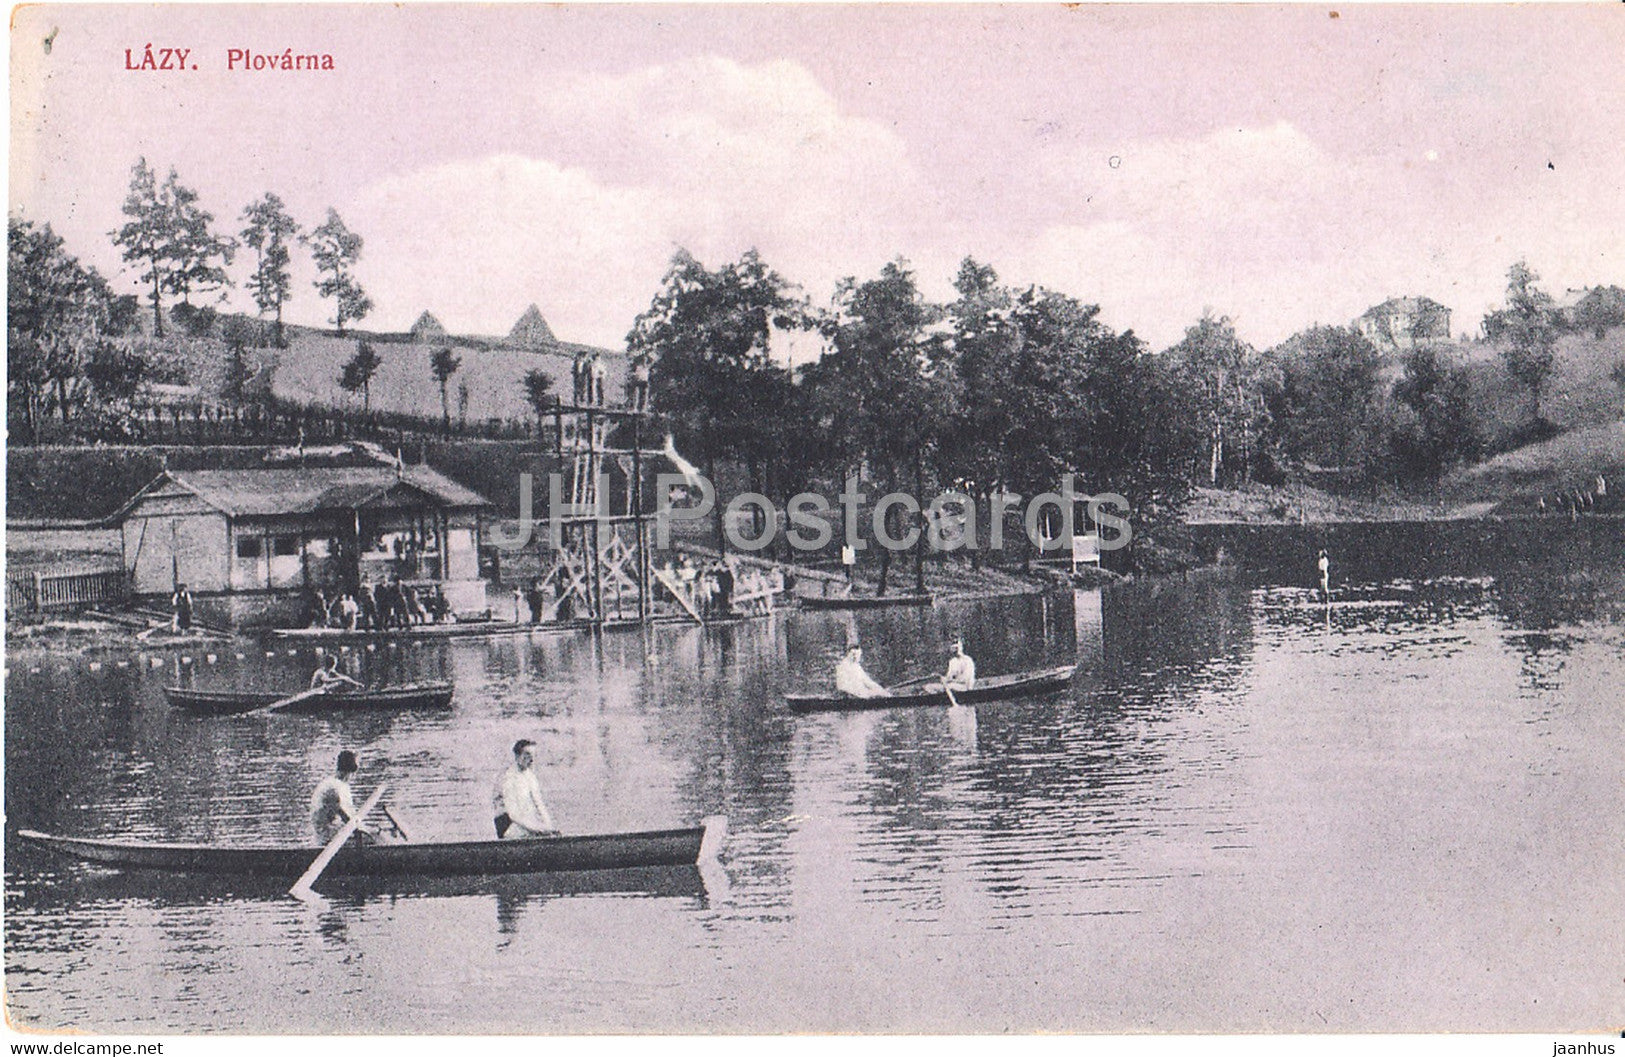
(301,888)
(303,695)
(393,821)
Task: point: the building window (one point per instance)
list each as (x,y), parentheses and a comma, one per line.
(285,546)
(248,546)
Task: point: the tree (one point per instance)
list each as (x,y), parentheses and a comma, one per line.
(539,392)
(358,371)
(707,334)
(1434,426)
(60,315)
(269,229)
(1324,399)
(238,332)
(197,256)
(148,236)
(883,386)
(1602,307)
(335,249)
(1530,334)
(1216,367)
(443,364)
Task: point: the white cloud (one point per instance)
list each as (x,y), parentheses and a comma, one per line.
(709,154)
(476,241)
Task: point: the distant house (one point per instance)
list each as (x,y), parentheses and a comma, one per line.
(1594,310)
(1401,323)
(251,543)
(532,331)
(427,329)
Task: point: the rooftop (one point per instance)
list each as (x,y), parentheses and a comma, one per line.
(306,490)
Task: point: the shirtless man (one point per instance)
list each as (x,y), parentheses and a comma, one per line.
(961,674)
(332,805)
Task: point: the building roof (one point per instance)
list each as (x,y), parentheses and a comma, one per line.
(532,330)
(428,326)
(307,490)
(1404,305)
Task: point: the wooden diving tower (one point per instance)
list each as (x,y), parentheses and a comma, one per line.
(600,568)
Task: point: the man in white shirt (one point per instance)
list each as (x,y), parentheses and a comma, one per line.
(517,803)
(961,674)
(852,680)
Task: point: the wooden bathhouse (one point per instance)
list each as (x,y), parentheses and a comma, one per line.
(252,544)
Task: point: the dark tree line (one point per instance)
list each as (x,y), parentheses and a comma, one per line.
(1005,390)
(1000,391)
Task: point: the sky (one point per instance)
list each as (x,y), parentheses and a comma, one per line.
(1282,166)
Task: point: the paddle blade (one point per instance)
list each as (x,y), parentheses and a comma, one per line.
(716,831)
(303,695)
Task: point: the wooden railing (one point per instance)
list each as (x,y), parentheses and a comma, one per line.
(41,592)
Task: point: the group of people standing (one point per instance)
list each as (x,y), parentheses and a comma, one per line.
(544,602)
(391,604)
(1573,502)
(517,808)
(709,587)
(588,379)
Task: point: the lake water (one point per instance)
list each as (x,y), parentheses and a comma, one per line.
(1404,811)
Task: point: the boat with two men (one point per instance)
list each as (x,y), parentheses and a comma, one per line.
(930,691)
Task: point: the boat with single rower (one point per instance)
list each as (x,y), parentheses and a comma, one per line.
(992,688)
(234,702)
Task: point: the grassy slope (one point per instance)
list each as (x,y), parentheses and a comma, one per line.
(308,371)
(1580,393)
(1572,460)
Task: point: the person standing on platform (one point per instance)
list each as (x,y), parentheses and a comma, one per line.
(1324,564)
(180,605)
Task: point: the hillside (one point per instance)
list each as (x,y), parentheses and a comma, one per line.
(307,372)
(1581,392)
(1514,480)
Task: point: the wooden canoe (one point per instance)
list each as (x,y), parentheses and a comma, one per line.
(231,702)
(993,688)
(863,601)
(613,851)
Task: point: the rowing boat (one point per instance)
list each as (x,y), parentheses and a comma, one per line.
(862,601)
(611,851)
(231,702)
(993,688)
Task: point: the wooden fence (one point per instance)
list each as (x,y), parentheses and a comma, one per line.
(42,592)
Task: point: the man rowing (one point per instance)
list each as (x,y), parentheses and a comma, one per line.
(332,805)
(852,681)
(961,674)
(517,803)
(329,678)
